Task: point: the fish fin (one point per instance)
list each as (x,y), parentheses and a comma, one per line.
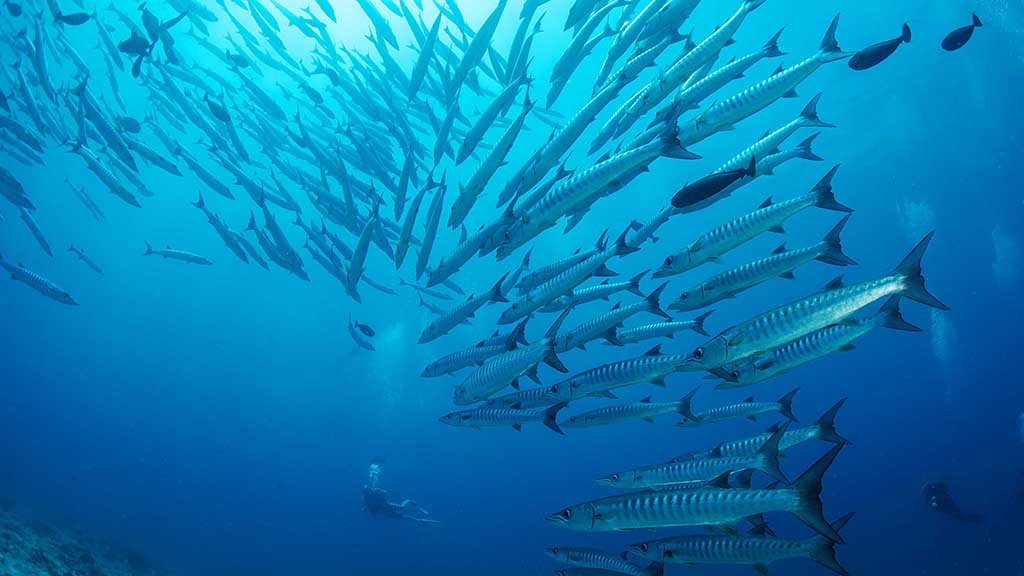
(905,36)
(608,394)
(760,569)
(778,229)
(910,269)
(603,272)
(767,202)
(809,115)
(780,249)
(847,347)
(551,359)
(786,405)
(768,455)
(805,151)
(791,94)
(654,302)
(788,275)
(659,382)
(551,414)
(648,419)
(655,351)
(634,283)
(518,427)
(698,323)
(825,425)
(823,196)
(720,481)
(685,408)
(612,337)
(514,384)
(889,316)
(824,552)
(771,47)
(808,486)
(975,21)
(532,374)
(645,400)
(832,252)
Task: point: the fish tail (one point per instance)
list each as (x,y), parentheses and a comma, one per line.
(771,48)
(786,405)
(976,21)
(551,414)
(809,115)
(698,323)
(808,486)
(621,247)
(910,270)
(149,250)
(655,569)
(654,302)
(824,551)
(804,150)
(252,221)
(826,425)
(672,147)
(832,247)
(552,359)
(889,316)
(518,334)
(823,195)
(685,408)
(200,203)
(768,455)
(634,284)
(906,33)
(830,46)
(496,294)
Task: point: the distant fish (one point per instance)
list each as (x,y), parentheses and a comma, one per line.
(129,124)
(957,38)
(29,221)
(876,53)
(365,329)
(489,417)
(354,332)
(85,258)
(172,254)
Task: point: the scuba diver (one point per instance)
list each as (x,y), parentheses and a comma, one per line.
(937,496)
(375,501)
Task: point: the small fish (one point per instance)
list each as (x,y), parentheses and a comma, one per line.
(601,560)
(481,417)
(957,38)
(365,329)
(355,332)
(711,185)
(748,409)
(129,124)
(874,55)
(172,254)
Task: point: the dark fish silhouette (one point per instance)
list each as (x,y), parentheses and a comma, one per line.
(365,329)
(711,185)
(74,19)
(136,45)
(129,124)
(939,499)
(957,38)
(12,8)
(874,55)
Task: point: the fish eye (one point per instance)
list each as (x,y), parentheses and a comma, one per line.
(668,260)
(554,550)
(614,477)
(567,513)
(698,353)
(735,374)
(644,547)
(684,296)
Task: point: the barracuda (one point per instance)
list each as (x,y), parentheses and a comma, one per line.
(462,312)
(606,325)
(746,409)
(769,217)
(822,429)
(37,283)
(728,112)
(566,281)
(752,549)
(712,505)
(545,273)
(601,560)
(475,355)
(599,292)
(836,338)
(576,191)
(505,369)
(489,417)
(765,459)
(831,306)
(663,329)
(642,410)
(464,252)
(652,367)
(780,264)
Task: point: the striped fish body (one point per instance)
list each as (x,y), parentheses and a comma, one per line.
(749,446)
(489,417)
(652,368)
(795,320)
(593,558)
(681,472)
(530,398)
(603,325)
(456,361)
(541,275)
(38,283)
(498,372)
(622,412)
(454,317)
(732,282)
(693,95)
(557,286)
(102,171)
(734,233)
(589,294)
(763,148)
(799,352)
(673,508)
(724,549)
(657,330)
(733,412)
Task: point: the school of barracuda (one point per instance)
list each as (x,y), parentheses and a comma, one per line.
(371,143)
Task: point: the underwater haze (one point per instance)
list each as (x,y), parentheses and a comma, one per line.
(224,419)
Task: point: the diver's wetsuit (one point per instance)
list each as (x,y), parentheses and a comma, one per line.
(938,498)
(375,501)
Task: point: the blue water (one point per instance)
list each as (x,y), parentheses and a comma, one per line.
(220,420)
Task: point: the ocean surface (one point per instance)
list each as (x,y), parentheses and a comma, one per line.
(220,420)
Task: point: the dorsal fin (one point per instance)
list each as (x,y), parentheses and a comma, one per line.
(617,306)
(780,249)
(656,351)
(720,481)
(778,70)
(645,400)
(767,202)
(748,399)
(834,284)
